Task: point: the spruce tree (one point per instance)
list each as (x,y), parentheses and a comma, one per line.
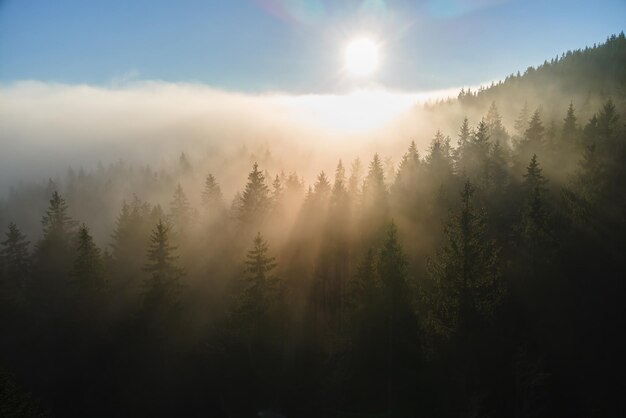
(497,132)
(163,285)
(181,213)
(569,132)
(211,193)
(53,253)
(277,191)
(465,279)
(534,134)
(261,287)
(534,223)
(87,271)
(521,122)
(14,257)
(255,200)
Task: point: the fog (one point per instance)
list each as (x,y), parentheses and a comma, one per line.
(173,249)
(47,127)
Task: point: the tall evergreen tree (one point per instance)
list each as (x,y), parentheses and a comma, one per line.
(87,272)
(569,132)
(521,122)
(211,193)
(497,132)
(181,212)
(53,253)
(14,257)
(534,213)
(163,286)
(261,287)
(255,200)
(464,274)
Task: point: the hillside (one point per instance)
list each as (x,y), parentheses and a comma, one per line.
(587,77)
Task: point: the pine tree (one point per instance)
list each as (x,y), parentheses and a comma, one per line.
(132,230)
(261,287)
(366,284)
(464,133)
(374,202)
(354,182)
(14,256)
(277,191)
(438,160)
(607,121)
(498,169)
(407,171)
(392,268)
(532,142)
(87,272)
(322,187)
(534,228)
(163,286)
(180,210)
(569,132)
(497,132)
(53,253)
(521,123)
(339,192)
(534,134)
(56,221)
(255,200)
(212,193)
(465,283)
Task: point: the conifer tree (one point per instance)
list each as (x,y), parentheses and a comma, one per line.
(464,133)
(277,191)
(465,273)
(354,182)
(56,221)
(407,171)
(534,134)
(261,287)
(14,257)
(374,201)
(212,193)
(497,132)
(180,210)
(87,271)
(163,286)
(322,187)
(569,132)
(534,213)
(339,192)
(53,253)
(255,200)
(438,160)
(132,230)
(521,122)
(607,121)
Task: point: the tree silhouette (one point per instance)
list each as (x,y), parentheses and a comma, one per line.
(14,256)
(87,272)
(163,286)
(255,200)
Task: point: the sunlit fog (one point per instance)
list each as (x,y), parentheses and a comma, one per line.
(311,208)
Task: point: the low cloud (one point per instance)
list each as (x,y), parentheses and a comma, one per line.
(47,126)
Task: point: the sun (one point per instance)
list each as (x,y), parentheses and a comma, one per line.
(361,57)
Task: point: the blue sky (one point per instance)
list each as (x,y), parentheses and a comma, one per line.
(291,45)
